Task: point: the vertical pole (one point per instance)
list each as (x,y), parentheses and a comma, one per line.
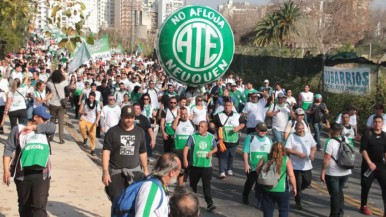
(132,25)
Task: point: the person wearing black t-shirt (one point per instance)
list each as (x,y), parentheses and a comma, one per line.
(373,149)
(124,154)
(144,123)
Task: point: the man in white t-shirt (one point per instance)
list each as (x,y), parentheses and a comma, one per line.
(110,115)
(299,117)
(301,148)
(280,113)
(255,111)
(334,176)
(153,93)
(379,109)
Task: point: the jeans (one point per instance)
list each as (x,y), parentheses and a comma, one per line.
(168,144)
(318,130)
(303,180)
(251,180)
(197,173)
(58,112)
(18,115)
(226,159)
(33,194)
(271,198)
(278,136)
(335,189)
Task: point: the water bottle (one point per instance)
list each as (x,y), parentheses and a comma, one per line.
(368,172)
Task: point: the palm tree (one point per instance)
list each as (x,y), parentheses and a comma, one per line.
(277,27)
(286,16)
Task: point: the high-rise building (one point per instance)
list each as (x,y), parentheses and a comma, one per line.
(150,15)
(167,7)
(106,13)
(128,13)
(41,13)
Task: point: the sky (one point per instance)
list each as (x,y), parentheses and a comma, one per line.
(215,3)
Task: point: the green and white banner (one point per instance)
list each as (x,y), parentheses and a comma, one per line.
(347,80)
(100,49)
(195,45)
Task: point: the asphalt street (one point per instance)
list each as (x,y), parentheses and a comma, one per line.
(227,192)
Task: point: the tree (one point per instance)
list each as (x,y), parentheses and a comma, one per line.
(278,26)
(74,33)
(330,25)
(14,24)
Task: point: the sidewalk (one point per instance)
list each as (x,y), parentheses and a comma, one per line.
(76,187)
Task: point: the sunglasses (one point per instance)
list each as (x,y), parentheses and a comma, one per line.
(263,131)
(111,99)
(146,99)
(199,100)
(173,102)
(300,115)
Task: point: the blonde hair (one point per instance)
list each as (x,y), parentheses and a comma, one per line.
(277,154)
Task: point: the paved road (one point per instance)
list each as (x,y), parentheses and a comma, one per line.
(227,192)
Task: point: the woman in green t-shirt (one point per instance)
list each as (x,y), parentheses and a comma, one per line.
(280,193)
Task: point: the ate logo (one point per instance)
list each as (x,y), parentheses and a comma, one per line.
(207,43)
(202,145)
(195,45)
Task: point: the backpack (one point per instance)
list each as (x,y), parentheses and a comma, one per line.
(35,153)
(124,206)
(346,155)
(268,176)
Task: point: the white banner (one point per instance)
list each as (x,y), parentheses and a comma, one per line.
(347,80)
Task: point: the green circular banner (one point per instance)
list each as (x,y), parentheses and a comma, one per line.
(195,45)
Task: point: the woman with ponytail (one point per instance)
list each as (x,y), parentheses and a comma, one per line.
(279,194)
(16,107)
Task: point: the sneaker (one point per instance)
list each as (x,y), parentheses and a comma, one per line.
(259,205)
(211,207)
(92,153)
(365,211)
(230,173)
(84,141)
(222,176)
(245,200)
(298,206)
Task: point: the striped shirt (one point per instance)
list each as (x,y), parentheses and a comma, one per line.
(148,199)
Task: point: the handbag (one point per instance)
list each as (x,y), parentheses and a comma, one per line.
(26,101)
(63,102)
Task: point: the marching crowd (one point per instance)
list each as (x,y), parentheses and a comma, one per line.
(129,100)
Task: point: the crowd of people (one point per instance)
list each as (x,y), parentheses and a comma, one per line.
(128,100)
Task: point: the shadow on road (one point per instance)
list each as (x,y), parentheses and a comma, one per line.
(62,209)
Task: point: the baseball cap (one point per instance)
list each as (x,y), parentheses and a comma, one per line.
(281,95)
(261,126)
(127,110)
(318,96)
(266,81)
(42,112)
(233,84)
(299,111)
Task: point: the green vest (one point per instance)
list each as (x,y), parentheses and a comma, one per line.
(281,185)
(35,150)
(259,148)
(202,146)
(228,124)
(183,131)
